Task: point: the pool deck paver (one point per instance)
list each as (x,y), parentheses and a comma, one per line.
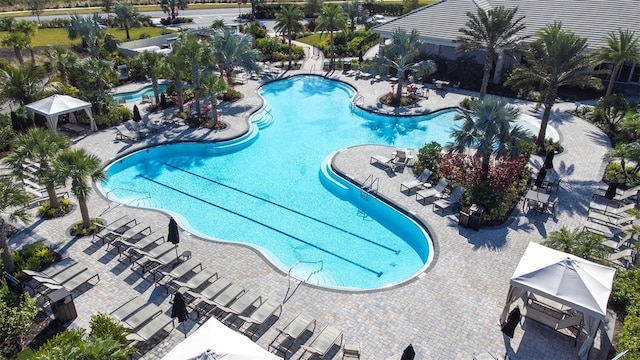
(449,313)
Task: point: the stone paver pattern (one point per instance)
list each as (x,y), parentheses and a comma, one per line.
(449,312)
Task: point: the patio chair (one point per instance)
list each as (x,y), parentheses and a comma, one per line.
(242,305)
(139,317)
(119,225)
(401,160)
(622,259)
(135,254)
(223,299)
(610,220)
(456,197)
(385,162)
(137,232)
(610,207)
(135,126)
(626,194)
(618,241)
(61,276)
(417,183)
(600,229)
(198,303)
(324,341)
(146,99)
(151,264)
(128,308)
(178,272)
(122,133)
(195,282)
(439,189)
(150,329)
(147,243)
(290,334)
(260,315)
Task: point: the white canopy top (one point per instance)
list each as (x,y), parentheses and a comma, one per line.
(219,339)
(565,278)
(57,104)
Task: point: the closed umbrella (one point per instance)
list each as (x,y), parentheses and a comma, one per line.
(540,179)
(611,191)
(179,310)
(136,114)
(512,322)
(173,236)
(548,160)
(408,353)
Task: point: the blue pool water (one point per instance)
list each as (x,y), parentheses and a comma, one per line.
(137,95)
(272,189)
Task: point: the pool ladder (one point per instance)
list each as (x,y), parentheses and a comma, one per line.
(370,186)
(287,295)
(359,98)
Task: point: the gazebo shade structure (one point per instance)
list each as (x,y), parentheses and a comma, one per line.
(578,283)
(56,105)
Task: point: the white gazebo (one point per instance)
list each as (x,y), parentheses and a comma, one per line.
(56,105)
(567,279)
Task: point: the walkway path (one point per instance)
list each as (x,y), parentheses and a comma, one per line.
(449,313)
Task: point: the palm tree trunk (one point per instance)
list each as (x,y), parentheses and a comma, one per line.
(84,210)
(33,56)
(18,53)
(214,109)
(290,50)
(53,197)
(624,169)
(156,89)
(612,80)
(331,65)
(126,29)
(484,170)
(398,95)
(488,65)
(5,251)
(179,89)
(230,77)
(548,104)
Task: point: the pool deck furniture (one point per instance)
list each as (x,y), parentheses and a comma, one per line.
(198,298)
(623,259)
(611,220)
(153,263)
(195,282)
(438,190)
(242,305)
(227,296)
(146,99)
(536,199)
(401,159)
(151,329)
(610,207)
(351,351)
(127,309)
(384,161)
(600,229)
(259,316)
(456,197)
(122,133)
(137,318)
(292,331)
(623,195)
(71,278)
(178,272)
(119,225)
(418,183)
(321,345)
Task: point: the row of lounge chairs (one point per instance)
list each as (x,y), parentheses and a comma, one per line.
(399,161)
(424,191)
(67,275)
(293,331)
(143,319)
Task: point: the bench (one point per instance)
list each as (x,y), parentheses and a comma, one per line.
(567,322)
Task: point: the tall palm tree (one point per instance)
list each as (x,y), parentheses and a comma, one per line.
(13,202)
(176,67)
(622,47)
(151,63)
(60,59)
(557,58)
(22,83)
(127,17)
(402,55)
(577,242)
(233,50)
(40,146)
(17,41)
(491,31)
(331,19)
(289,21)
(356,13)
(488,129)
(29,29)
(211,86)
(80,167)
(89,30)
(170,6)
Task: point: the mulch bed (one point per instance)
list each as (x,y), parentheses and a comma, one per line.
(42,329)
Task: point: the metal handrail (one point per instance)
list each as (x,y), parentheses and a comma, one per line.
(321,262)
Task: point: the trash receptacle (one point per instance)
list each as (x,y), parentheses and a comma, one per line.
(475,216)
(464,219)
(62,305)
(346,66)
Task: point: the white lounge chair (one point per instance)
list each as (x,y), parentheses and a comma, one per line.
(386,162)
(454,199)
(294,329)
(439,189)
(324,341)
(122,133)
(418,183)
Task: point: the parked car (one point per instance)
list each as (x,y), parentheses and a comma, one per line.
(379,19)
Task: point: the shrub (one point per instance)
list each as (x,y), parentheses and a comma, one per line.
(16,316)
(466,102)
(46,211)
(104,326)
(78,230)
(60,346)
(33,257)
(428,158)
(626,289)
(630,335)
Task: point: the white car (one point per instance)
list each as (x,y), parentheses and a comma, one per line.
(379,19)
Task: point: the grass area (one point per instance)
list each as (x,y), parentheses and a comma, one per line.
(140,8)
(315,39)
(50,37)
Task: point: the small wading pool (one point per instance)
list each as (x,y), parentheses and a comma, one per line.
(273,189)
(137,95)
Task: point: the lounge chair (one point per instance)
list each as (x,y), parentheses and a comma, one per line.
(294,329)
(610,207)
(122,133)
(133,234)
(324,341)
(400,160)
(139,317)
(456,197)
(351,352)
(384,161)
(135,126)
(603,230)
(178,272)
(610,220)
(223,299)
(71,279)
(150,329)
(197,299)
(623,259)
(147,243)
(128,308)
(151,264)
(418,183)
(439,189)
(242,305)
(146,99)
(119,225)
(135,254)
(256,319)
(198,280)
(623,195)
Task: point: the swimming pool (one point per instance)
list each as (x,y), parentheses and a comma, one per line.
(137,95)
(273,190)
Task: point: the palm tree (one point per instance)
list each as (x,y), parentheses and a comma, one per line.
(169,7)
(151,64)
(22,83)
(89,30)
(402,55)
(175,67)
(622,47)
(211,86)
(200,57)
(13,202)
(80,166)
(577,242)
(17,41)
(29,29)
(40,146)
(289,20)
(490,31)
(60,59)
(488,129)
(356,13)
(331,19)
(233,50)
(557,58)
(622,153)
(127,17)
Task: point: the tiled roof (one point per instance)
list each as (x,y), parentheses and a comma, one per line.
(591,19)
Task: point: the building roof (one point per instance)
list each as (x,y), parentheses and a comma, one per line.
(591,19)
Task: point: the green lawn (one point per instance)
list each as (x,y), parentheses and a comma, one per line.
(315,39)
(50,37)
